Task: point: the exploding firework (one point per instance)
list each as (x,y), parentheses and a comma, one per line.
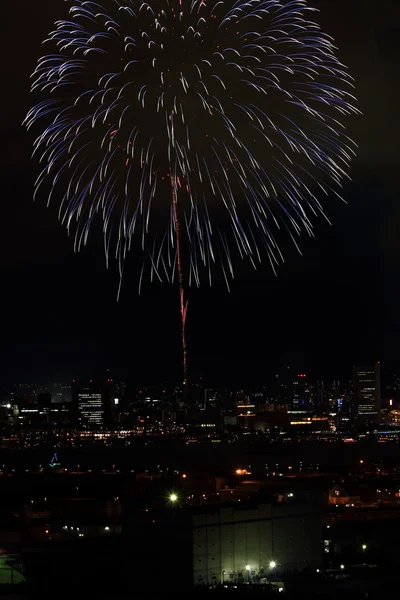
(202,127)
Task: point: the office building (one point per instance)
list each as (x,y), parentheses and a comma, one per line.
(44,403)
(301,393)
(210,399)
(318,397)
(367,393)
(93,404)
(283,387)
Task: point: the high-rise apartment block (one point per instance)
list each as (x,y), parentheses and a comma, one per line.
(93,404)
(367,392)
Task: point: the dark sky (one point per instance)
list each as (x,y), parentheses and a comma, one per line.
(335,305)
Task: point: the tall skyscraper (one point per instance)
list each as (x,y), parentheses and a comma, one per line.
(301,395)
(318,397)
(93,404)
(282,388)
(208,397)
(367,393)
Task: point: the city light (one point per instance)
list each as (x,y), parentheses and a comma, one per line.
(342,566)
(173,497)
(364,547)
(272,564)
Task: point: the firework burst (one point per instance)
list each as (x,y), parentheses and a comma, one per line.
(201,127)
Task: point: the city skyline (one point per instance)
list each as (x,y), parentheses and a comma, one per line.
(61,377)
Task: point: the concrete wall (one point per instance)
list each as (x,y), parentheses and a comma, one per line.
(229,539)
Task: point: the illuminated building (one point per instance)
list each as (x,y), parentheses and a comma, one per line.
(229,419)
(93,404)
(395,417)
(283,387)
(44,402)
(367,392)
(226,543)
(90,408)
(210,399)
(300,391)
(232,544)
(344,422)
(245,414)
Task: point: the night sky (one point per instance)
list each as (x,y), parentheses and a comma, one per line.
(336,305)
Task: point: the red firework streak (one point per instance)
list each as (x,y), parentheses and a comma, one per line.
(183,302)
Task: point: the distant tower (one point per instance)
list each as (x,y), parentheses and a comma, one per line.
(367,393)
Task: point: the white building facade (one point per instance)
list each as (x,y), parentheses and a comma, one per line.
(231,544)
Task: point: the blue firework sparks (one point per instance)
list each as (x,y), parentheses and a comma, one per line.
(240,106)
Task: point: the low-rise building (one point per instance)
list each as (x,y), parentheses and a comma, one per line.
(234,543)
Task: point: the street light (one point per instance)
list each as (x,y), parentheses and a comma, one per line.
(272,565)
(248,572)
(364,548)
(173,497)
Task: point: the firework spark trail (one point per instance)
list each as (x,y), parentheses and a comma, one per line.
(244,102)
(183,302)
